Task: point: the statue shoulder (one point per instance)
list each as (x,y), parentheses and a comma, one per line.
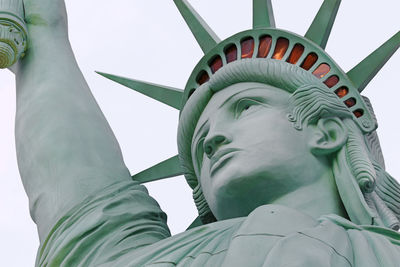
(370,245)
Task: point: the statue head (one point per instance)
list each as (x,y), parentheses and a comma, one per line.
(263,128)
(249,149)
(267,111)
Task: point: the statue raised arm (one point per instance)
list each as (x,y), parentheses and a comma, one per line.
(276,141)
(66,150)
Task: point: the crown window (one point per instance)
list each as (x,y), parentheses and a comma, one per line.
(342,92)
(350,102)
(296,53)
(358,113)
(231,53)
(265,46)
(280,48)
(216,64)
(309,61)
(332,81)
(322,70)
(247,47)
(203,77)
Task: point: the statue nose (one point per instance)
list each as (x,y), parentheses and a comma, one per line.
(212,144)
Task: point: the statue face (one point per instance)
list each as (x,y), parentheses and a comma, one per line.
(245,151)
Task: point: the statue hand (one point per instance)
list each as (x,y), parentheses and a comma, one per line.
(47,14)
(46,21)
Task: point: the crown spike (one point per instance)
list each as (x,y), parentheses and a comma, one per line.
(196,222)
(166,169)
(167,95)
(263,15)
(366,70)
(321,26)
(204,35)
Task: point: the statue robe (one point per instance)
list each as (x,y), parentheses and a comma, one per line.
(123,226)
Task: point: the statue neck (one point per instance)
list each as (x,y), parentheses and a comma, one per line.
(316,199)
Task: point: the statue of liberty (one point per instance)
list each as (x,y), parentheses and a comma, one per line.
(276,141)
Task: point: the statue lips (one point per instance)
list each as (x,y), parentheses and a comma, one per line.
(219,159)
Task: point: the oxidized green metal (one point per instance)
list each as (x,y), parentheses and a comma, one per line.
(284,160)
(313,43)
(321,26)
(365,122)
(366,70)
(263,17)
(167,95)
(206,38)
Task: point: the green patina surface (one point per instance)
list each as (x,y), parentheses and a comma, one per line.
(284,171)
(35,19)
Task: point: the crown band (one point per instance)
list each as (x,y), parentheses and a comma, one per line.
(290,48)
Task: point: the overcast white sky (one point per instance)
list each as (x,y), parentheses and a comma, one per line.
(148,40)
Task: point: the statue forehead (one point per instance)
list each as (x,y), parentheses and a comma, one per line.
(241,90)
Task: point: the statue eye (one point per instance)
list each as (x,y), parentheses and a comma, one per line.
(246,106)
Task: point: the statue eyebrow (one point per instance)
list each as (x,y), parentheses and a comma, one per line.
(235,94)
(222,104)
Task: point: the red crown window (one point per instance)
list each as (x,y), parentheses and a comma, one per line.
(280,48)
(247,48)
(309,61)
(203,77)
(265,46)
(358,113)
(216,64)
(296,53)
(342,91)
(231,53)
(350,102)
(322,70)
(332,81)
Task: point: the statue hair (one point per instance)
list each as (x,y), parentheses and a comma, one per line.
(310,101)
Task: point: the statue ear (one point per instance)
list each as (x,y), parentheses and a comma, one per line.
(329,135)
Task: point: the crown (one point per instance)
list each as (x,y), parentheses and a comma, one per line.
(264,41)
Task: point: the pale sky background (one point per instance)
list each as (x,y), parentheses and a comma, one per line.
(148,40)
